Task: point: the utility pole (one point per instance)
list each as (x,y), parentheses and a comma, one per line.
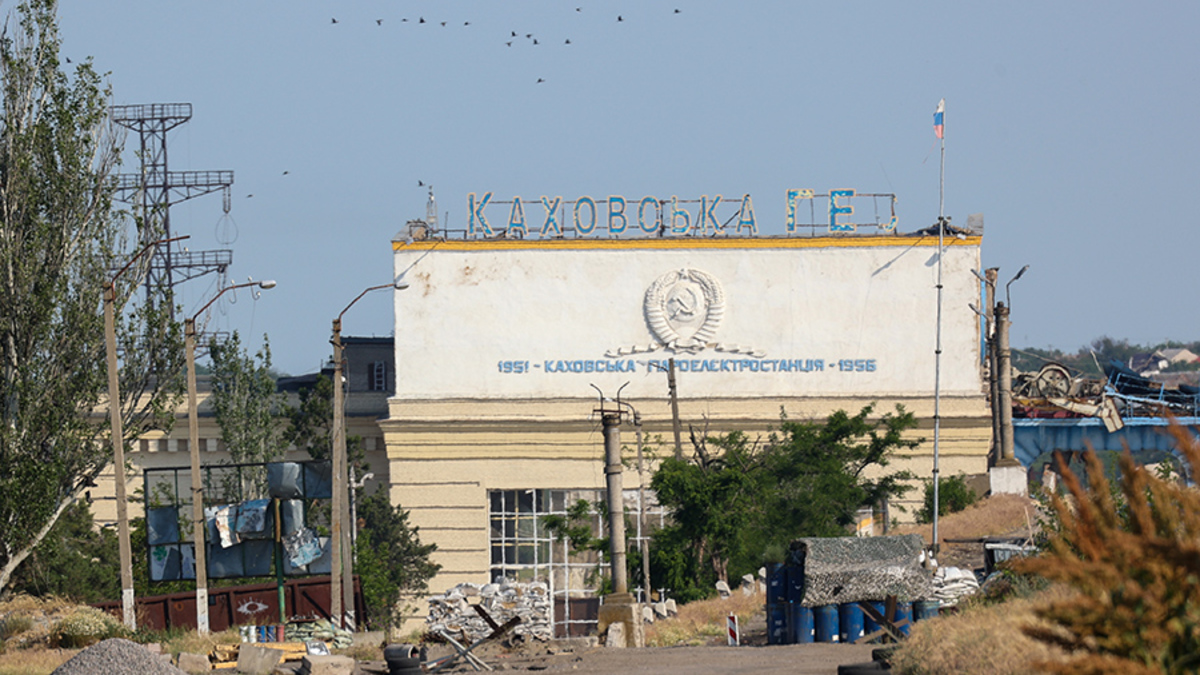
(990,277)
(673,392)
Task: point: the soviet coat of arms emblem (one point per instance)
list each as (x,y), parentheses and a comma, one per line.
(684,309)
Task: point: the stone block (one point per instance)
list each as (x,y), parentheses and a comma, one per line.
(255,660)
(327,665)
(1009,480)
(723,588)
(671,607)
(614,638)
(621,608)
(193,663)
(647,614)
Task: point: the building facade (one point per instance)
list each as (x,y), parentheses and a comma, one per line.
(505,347)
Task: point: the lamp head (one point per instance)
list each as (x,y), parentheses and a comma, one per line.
(267,283)
(401,283)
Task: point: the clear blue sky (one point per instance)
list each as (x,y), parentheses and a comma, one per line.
(1071,126)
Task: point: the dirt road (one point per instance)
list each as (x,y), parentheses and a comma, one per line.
(810,659)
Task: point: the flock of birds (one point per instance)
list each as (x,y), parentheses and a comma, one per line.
(513,35)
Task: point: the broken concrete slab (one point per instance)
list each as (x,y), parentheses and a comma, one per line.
(193,663)
(255,660)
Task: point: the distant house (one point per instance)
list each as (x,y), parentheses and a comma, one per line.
(1148,364)
(1180,355)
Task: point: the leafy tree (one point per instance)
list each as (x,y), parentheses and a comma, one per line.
(733,504)
(954,495)
(390,559)
(74,561)
(59,240)
(246,405)
(1134,561)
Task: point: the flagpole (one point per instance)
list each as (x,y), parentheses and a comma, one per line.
(939,127)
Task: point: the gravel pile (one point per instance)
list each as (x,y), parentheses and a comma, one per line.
(116,657)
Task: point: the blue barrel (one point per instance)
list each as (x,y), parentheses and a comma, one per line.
(801,624)
(776,583)
(777,624)
(795,584)
(871,625)
(925,609)
(904,611)
(850,620)
(825,620)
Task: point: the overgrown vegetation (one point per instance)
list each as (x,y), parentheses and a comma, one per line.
(1134,564)
(390,559)
(741,501)
(60,237)
(73,561)
(954,495)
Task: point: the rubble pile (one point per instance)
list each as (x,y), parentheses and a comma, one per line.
(454,610)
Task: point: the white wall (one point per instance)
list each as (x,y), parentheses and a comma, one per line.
(475,305)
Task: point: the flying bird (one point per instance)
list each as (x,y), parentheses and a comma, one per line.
(286,173)
(528,35)
(333,21)
(249,196)
(620,18)
(443,24)
(540,80)
(378,22)
(403,20)
(535,41)
(568,41)
(466,23)
(676,11)
(514,33)
(422,20)
(578,9)
(509,43)
(420,183)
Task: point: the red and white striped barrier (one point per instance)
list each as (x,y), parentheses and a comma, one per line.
(735,636)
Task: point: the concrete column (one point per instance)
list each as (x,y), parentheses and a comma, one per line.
(1007,476)
(616,503)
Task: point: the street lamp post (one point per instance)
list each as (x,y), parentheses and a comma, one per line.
(341,575)
(125,551)
(201,554)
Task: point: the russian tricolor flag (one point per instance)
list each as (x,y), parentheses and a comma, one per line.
(937,118)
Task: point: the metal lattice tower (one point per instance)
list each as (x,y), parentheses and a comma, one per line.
(155,189)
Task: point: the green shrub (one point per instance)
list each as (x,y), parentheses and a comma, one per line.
(85,626)
(954,495)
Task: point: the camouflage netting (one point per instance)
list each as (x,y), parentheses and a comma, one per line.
(853,569)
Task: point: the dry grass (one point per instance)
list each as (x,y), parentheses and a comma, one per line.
(981,639)
(995,515)
(194,643)
(34,661)
(363,652)
(37,616)
(700,622)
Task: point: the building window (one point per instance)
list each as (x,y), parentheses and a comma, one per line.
(524,549)
(379,376)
